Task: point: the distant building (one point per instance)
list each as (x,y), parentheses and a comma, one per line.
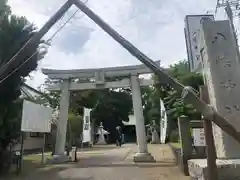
(191,30)
(129,129)
(131,122)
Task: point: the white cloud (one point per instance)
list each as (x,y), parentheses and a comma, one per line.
(155,27)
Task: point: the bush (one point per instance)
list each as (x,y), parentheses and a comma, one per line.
(6,162)
(174,136)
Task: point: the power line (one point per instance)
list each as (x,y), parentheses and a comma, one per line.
(48,43)
(234,4)
(63,25)
(21,49)
(28,59)
(18,67)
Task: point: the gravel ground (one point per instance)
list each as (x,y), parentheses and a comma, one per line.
(112,164)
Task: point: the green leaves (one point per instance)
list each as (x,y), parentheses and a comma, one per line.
(14,33)
(172,100)
(75,122)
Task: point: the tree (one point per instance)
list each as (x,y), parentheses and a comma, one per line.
(171,98)
(4,10)
(149,104)
(176,107)
(108,106)
(14,33)
(76,122)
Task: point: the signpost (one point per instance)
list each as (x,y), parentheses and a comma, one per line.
(35,118)
(86,126)
(198,137)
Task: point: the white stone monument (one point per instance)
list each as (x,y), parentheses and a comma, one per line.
(101,132)
(155,136)
(86,133)
(221,68)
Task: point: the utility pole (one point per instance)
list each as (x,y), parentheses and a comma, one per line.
(231,7)
(229,12)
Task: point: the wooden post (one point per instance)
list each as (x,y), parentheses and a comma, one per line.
(43,148)
(21,153)
(208,131)
(186,142)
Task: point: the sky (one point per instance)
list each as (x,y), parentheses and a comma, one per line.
(156,27)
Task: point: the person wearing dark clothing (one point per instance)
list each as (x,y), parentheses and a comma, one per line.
(119,136)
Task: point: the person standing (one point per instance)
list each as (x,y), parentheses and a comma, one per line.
(119,136)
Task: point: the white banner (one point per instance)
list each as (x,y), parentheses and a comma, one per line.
(86,125)
(163,123)
(35,117)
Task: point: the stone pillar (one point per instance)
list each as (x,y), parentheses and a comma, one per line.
(221,68)
(221,71)
(155,136)
(62,124)
(142,155)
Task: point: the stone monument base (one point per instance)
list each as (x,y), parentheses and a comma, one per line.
(154,142)
(155,138)
(101,143)
(59,159)
(227,169)
(143,157)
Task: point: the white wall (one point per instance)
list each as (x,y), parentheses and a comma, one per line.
(132,120)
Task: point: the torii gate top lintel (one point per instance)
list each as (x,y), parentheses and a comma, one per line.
(89,73)
(99,76)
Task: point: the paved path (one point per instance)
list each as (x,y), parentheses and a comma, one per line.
(113,163)
(165,168)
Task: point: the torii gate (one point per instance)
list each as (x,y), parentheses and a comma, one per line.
(188,94)
(130,74)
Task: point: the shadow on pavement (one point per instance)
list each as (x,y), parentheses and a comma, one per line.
(52,172)
(95,161)
(115,161)
(97,148)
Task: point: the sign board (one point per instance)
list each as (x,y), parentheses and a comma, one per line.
(86,125)
(191,30)
(36,118)
(163,123)
(198,137)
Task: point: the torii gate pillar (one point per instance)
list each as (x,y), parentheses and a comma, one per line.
(59,154)
(142,155)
